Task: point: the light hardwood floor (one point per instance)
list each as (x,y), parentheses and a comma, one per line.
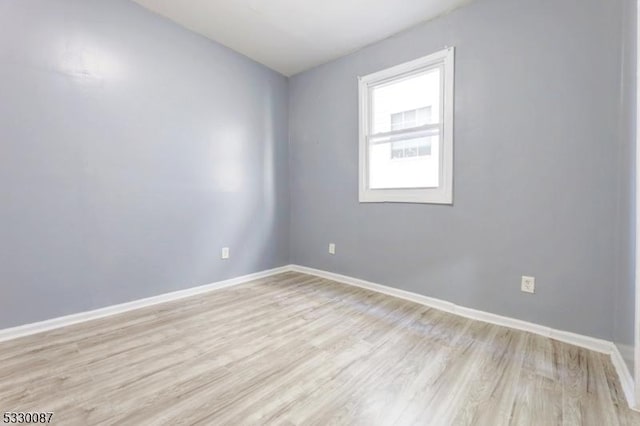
(294,349)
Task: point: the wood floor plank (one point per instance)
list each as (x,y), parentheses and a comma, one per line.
(294,349)
(539,395)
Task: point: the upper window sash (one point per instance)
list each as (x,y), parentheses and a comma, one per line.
(373,84)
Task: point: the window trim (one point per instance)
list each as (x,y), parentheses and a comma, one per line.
(443,194)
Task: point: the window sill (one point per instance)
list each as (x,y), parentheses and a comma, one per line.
(423,196)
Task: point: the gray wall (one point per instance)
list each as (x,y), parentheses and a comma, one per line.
(131,151)
(536,180)
(624,298)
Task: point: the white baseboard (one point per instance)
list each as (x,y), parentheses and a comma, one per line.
(598,345)
(625,376)
(51,324)
(627,352)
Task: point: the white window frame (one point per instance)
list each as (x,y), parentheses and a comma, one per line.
(443,194)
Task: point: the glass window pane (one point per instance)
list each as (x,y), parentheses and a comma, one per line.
(412,101)
(423,116)
(396,121)
(410,119)
(408,162)
(424,149)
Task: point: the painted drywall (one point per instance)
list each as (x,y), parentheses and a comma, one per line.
(624,296)
(536,180)
(131,151)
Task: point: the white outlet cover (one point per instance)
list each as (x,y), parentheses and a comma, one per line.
(528,284)
(225,252)
(332,248)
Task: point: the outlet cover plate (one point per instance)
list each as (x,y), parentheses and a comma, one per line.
(528,284)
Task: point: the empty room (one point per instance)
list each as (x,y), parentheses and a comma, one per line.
(337,212)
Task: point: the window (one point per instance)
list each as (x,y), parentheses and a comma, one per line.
(406,132)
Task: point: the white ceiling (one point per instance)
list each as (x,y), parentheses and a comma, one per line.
(291,36)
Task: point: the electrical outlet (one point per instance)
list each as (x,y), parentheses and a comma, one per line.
(528,284)
(225,252)
(332,248)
